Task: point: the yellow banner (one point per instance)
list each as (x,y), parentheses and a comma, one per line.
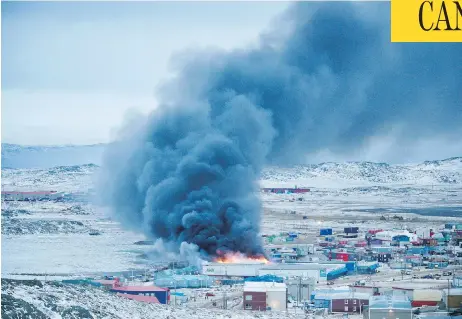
(426,20)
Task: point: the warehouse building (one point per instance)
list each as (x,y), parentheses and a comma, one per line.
(265,296)
(319,272)
(232,269)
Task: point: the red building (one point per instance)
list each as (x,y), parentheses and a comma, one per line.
(349,302)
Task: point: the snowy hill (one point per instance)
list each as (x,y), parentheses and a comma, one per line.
(65,168)
(76,178)
(447,171)
(35,299)
(19,156)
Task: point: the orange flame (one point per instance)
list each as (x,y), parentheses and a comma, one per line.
(235,258)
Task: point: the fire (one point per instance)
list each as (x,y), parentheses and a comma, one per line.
(235,258)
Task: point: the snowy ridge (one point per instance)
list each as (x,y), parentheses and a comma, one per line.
(447,171)
(76,178)
(21,156)
(350,174)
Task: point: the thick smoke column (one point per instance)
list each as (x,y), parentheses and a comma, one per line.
(329,80)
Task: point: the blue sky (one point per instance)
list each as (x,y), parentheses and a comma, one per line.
(71,71)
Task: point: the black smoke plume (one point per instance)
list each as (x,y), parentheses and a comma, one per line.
(326,77)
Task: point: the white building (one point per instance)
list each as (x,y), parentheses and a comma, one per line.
(387,235)
(232,269)
(318,272)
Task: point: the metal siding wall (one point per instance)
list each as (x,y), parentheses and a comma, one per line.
(384,313)
(276,300)
(258,301)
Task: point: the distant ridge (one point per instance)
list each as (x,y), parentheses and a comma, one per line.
(28,156)
(445,171)
(87,158)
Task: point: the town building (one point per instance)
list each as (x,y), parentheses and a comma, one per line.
(265,296)
(349,302)
(395,306)
(300,288)
(453,298)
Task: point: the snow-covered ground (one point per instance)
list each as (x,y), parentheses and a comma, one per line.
(54,300)
(52,239)
(49,237)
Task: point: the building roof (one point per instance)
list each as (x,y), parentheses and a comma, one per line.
(138,289)
(453,291)
(148,299)
(258,286)
(390,302)
(351,295)
(304,266)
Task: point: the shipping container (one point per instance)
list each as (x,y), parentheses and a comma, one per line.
(351,230)
(325,231)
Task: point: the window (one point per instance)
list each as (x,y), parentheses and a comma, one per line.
(248,306)
(248,297)
(354,308)
(346,301)
(346,308)
(354,301)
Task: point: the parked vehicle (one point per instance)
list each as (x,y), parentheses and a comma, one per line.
(415,277)
(437,276)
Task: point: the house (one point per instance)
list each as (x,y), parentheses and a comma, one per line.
(383,257)
(350,302)
(141,298)
(264,296)
(394,306)
(429,242)
(162,294)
